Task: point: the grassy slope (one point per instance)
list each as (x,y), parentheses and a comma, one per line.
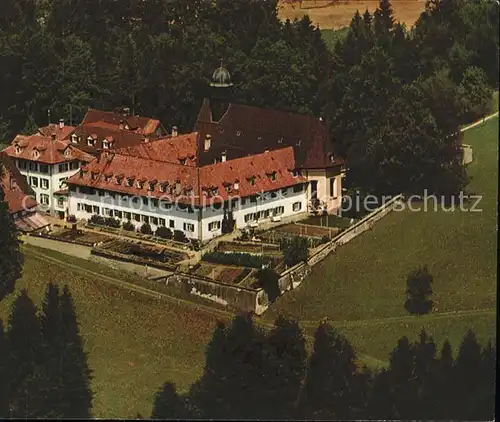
(365,279)
(135,343)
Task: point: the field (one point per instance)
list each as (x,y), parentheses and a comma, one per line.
(329,15)
(361,287)
(135,343)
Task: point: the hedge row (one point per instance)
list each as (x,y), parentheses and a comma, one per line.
(239,259)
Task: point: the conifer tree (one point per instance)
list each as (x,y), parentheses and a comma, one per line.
(76,394)
(285,369)
(329,387)
(11,259)
(53,352)
(444,385)
(402,380)
(4,378)
(169,405)
(468,377)
(26,371)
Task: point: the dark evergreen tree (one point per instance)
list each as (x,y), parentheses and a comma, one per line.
(469,380)
(444,384)
(11,259)
(419,289)
(4,375)
(268,280)
(76,394)
(169,405)
(328,391)
(26,371)
(295,250)
(285,369)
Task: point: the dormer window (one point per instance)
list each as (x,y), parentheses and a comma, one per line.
(182,161)
(139,184)
(296,173)
(67,153)
(127,127)
(18,149)
(90,141)
(129,182)
(118,179)
(108,176)
(238,133)
(163,187)
(236,185)
(74,138)
(251,180)
(152,185)
(299,142)
(272,176)
(105,144)
(280,140)
(35,154)
(93,175)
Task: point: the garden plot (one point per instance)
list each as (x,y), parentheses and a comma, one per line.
(80,236)
(141,253)
(249,247)
(221,273)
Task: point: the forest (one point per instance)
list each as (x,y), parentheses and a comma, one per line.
(393,97)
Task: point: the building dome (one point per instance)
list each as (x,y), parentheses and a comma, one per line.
(221,78)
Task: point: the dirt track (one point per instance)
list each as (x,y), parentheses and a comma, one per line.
(340,15)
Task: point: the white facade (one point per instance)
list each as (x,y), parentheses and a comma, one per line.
(45,180)
(203,224)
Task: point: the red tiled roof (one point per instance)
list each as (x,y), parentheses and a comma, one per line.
(61,133)
(260,167)
(196,179)
(17,193)
(247,130)
(49,151)
(138,124)
(101,131)
(169,150)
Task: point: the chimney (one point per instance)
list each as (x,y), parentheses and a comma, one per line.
(208,141)
(174,132)
(121,125)
(224,156)
(61,123)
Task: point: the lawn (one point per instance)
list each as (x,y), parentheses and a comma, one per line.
(135,343)
(366,279)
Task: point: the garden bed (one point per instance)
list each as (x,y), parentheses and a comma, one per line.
(248,247)
(79,237)
(221,273)
(138,252)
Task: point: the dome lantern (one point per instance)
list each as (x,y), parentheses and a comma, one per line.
(221,78)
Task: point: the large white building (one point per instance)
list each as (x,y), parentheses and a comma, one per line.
(46,163)
(160,184)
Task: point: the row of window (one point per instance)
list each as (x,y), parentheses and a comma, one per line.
(140,218)
(128,216)
(44,168)
(36,182)
(271,212)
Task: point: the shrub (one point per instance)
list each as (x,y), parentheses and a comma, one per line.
(418,291)
(98,220)
(228,222)
(295,250)
(325,239)
(267,279)
(164,232)
(195,244)
(240,259)
(128,226)
(112,222)
(180,236)
(146,229)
